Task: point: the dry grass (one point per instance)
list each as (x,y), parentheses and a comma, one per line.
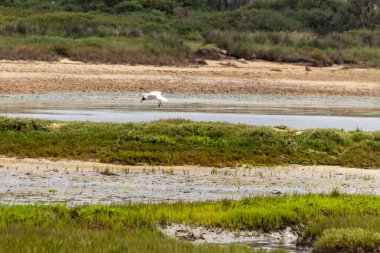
(26,53)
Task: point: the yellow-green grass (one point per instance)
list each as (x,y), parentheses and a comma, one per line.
(348,240)
(315,228)
(262,213)
(181,142)
(20,239)
(135,226)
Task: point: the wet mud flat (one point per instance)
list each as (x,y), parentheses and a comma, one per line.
(42,181)
(285,239)
(34,181)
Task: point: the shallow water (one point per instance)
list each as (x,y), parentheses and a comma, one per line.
(300,112)
(122,116)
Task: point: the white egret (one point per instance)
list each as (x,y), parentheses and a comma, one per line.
(152,96)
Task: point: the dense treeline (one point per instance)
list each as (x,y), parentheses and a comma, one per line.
(174,31)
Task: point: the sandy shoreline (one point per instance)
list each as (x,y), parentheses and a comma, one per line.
(17,77)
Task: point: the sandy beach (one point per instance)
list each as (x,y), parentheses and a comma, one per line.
(218,77)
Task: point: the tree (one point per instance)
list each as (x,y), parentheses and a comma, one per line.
(366,10)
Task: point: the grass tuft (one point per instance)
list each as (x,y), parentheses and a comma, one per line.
(347,240)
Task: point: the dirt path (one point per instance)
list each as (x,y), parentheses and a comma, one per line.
(237,78)
(30,181)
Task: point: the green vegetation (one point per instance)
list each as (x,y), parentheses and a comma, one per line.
(348,240)
(334,222)
(316,227)
(181,142)
(176,32)
(39,239)
(134,226)
(265,213)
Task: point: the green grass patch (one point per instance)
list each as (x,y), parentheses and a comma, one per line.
(353,223)
(37,239)
(316,227)
(347,240)
(181,142)
(262,213)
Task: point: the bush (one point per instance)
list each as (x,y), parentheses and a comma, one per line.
(127,7)
(317,33)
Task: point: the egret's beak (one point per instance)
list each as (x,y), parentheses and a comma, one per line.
(142,100)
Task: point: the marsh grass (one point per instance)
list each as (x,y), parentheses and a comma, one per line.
(336,221)
(368,222)
(214,171)
(262,213)
(347,240)
(182,142)
(107,172)
(126,170)
(39,239)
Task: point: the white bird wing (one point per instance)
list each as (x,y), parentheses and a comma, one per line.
(160,97)
(155,93)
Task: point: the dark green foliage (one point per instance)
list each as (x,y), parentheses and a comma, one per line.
(182,142)
(349,47)
(319,33)
(272,15)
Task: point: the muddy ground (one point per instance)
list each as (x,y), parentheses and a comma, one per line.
(31,181)
(285,239)
(217,77)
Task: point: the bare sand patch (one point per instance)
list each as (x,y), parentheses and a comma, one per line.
(248,78)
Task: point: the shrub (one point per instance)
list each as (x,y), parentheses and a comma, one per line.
(127,7)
